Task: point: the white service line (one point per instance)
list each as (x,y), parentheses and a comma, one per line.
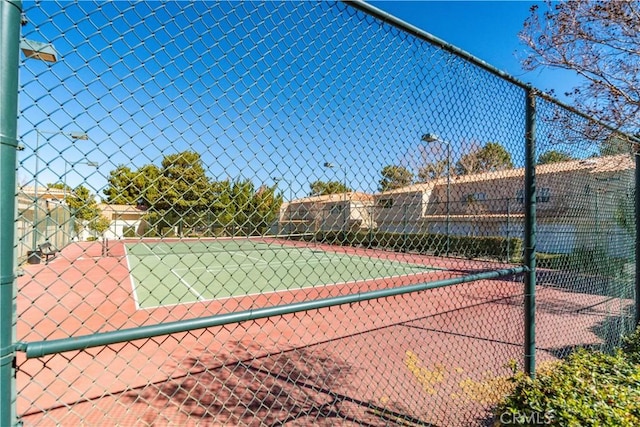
(184,282)
(133,283)
(255,259)
(232,268)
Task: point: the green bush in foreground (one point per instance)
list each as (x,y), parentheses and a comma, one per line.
(587,389)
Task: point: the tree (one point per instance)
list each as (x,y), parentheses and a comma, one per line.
(121,189)
(625,211)
(395,177)
(265,208)
(321,188)
(554,156)
(222,215)
(432,171)
(243,210)
(127,187)
(182,192)
(240,207)
(99,224)
(600,41)
(84,208)
(179,194)
(183,186)
(613,145)
(490,158)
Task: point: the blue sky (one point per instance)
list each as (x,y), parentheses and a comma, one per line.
(486,29)
(267,90)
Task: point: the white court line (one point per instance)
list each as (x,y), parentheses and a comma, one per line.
(255,259)
(208,251)
(151,251)
(291,263)
(131,279)
(326,285)
(333,255)
(237,267)
(314,258)
(189,287)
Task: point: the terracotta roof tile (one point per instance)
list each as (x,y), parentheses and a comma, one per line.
(615,163)
(336,197)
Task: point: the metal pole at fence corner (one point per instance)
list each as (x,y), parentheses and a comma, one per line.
(448,197)
(36,207)
(637,255)
(404,227)
(508,225)
(10,19)
(530,235)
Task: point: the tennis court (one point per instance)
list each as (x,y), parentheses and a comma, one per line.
(168,273)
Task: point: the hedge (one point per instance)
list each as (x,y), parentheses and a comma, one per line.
(425,243)
(583,259)
(589,388)
(129,231)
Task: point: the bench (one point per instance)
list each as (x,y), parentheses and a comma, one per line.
(48,250)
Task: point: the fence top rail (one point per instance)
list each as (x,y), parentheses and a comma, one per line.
(430,38)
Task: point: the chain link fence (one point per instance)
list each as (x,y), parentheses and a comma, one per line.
(295,213)
(586,227)
(48,220)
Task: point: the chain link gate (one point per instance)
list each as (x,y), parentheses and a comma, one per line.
(293,213)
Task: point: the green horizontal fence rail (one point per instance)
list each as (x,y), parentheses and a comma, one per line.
(239,213)
(43,348)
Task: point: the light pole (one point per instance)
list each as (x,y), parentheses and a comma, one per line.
(330,165)
(68,163)
(277,179)
(74,136)
(430,137)
(38,50)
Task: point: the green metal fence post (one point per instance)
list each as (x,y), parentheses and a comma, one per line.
(530,235)
(10,12)
(508,225)
(637,214)
(372,217)
(404,227)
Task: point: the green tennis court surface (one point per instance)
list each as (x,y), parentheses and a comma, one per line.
(183,272)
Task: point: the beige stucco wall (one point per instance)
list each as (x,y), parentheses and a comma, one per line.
(579,206)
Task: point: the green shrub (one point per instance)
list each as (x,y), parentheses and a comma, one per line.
(129,231)
(425,243)
(631,346)
(587,261)
(91,239)
(587,389)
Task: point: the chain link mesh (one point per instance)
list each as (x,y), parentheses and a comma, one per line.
(190,160)
(586,231)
